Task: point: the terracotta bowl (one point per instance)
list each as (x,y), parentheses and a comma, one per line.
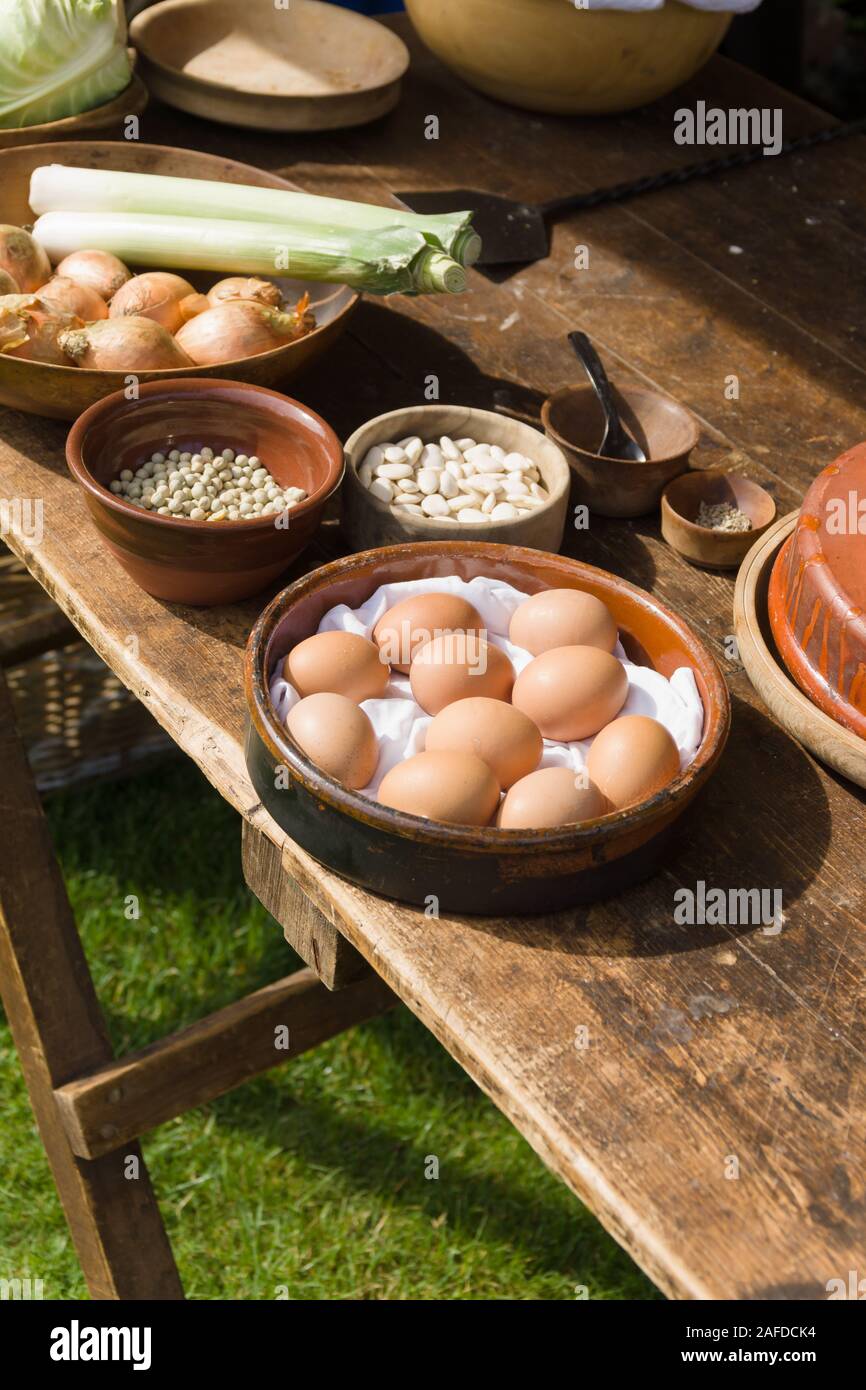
(701,545)
(487,871)
(199,562)
(368,522)
(817,595)
(665,430)
(63,392)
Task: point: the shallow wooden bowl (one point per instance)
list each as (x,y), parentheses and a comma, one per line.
(487,871)
(701,545)
(107,120)
(665,430)
(828,740)
(199,562)
(368,522)
(299,66)
(64,392)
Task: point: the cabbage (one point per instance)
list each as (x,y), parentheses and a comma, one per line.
(59,57)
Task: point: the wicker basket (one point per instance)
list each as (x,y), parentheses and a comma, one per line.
(77,720)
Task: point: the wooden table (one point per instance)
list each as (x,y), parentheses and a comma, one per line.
(715,1120)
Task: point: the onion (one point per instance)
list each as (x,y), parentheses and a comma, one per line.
(98,270)
(30,330)
(7,284)
(155,295)
(124,345)
(239,328)
(193,304)
(241,287)
(70,297)
(23,259)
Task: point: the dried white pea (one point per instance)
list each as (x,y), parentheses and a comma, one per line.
(434,505)
(448,485)
(428,480)
(394,471)
(381,488)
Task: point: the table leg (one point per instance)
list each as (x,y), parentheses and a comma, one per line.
(59,1031)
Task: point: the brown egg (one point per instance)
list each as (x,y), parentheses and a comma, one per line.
(337,736)
(571,692)
(456,666)
(442,785)
(549,797)
(340,662)
(562,618)
(418,619)
(495,732)
(632,759)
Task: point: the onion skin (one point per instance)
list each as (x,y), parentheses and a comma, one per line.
(193,304)
(8,285)
(67,296)
(155,295)
(123,345)
(98,270)
(23,259)
(247,288)
(240,328)
(31,330)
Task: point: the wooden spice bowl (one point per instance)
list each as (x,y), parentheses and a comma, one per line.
(200,562)
(62,393)
(666,431)
(467,869)
(367,521)
(701,545)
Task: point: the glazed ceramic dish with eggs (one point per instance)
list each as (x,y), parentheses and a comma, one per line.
(473,800)
(64,391)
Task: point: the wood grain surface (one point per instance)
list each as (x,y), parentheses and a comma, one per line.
(701,1087)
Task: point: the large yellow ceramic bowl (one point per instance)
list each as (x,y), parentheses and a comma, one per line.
(550,55)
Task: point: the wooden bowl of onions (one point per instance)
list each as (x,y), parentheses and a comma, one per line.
(60,373)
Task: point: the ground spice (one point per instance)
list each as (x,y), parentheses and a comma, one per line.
(723,516)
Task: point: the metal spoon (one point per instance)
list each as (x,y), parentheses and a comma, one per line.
(615,443)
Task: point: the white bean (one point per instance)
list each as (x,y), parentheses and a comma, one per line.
(435,505)
(472,516)
(449,448)
(503,511)
(431,457)
(428,480)
(393,454)
(448,485)
(393,471)
(464,444)
(373,458)
(381,488)
(489,502)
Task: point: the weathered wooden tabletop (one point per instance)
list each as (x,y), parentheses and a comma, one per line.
(715,1119)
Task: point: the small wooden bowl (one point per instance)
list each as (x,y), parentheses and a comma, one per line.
(62,393)
(368,522)
(822,735)
(199,562)
(701,545)
(106,120)
(298,66)
(665,430)
(466,869)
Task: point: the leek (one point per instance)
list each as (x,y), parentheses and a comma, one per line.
(61,188)
(386,260)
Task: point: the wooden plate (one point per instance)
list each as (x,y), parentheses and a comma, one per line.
(832,744)
(302,66)
(63,392)
(107,119)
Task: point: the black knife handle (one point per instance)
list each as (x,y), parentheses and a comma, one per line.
(652,183)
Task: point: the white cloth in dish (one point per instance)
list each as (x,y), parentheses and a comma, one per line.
(401,724)
(732,6)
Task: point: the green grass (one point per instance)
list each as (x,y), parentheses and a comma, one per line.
(309,1182)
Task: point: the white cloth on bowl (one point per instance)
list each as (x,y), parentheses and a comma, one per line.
(400,724)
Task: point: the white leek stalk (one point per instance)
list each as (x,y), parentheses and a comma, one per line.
(383,261)
(63,188)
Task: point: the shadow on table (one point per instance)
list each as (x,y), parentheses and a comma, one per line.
(763,821)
